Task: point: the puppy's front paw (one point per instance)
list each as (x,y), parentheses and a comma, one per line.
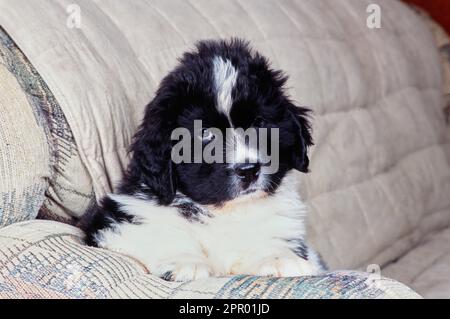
(183,271)
(281,266)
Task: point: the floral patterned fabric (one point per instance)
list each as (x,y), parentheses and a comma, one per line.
(24,151)
(46,259)
(61,189)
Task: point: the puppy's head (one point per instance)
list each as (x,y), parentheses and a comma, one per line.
(230,89)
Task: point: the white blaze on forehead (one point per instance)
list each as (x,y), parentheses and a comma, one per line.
(225,76)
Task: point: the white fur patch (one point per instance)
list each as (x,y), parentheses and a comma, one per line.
(225,76)
(245,236)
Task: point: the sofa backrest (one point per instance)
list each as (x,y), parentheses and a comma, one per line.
(380,173)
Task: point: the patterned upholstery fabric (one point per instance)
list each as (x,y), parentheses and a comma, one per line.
(63,178)
(45,259)
(24,151)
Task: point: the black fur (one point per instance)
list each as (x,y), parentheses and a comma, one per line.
(102,216)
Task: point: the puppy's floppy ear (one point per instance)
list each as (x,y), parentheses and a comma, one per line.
(299,115)
(151,165)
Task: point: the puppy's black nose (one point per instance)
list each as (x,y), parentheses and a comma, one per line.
(248,172)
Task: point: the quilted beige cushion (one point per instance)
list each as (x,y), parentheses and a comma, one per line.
(442,41)
(380,169)
(426,268)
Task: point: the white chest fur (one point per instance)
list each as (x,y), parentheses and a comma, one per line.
(239,236)
(251,236)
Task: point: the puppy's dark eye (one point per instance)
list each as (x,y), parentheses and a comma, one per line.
(259,122)
(207,135)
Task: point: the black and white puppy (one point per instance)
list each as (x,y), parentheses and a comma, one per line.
(188,221)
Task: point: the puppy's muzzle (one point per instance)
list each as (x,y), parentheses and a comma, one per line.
(248,173)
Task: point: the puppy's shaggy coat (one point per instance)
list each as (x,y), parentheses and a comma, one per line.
(192,220)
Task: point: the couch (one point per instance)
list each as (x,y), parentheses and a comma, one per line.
(75,76)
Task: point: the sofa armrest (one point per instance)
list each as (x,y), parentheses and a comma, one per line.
(41,172)
(47,259)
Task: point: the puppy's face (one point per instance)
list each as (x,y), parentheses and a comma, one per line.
(241,105)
